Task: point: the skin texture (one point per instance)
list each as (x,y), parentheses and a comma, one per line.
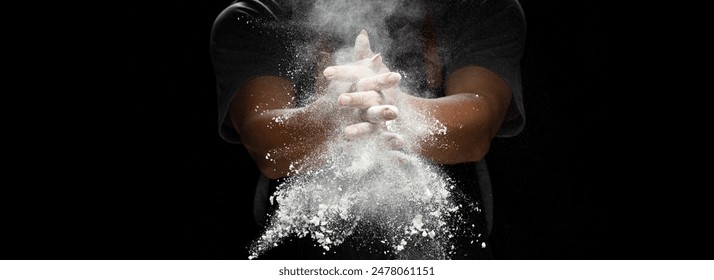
(472,110)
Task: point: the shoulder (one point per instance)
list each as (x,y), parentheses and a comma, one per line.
(493,19)
(482,4)
(243,17)
(251,9)
(480,9)
(245,21)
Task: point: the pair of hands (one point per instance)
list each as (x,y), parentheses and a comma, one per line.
(372,94)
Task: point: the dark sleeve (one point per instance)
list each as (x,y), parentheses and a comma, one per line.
(490,34)
(243,46)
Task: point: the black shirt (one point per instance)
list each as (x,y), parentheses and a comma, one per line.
(250,40)
(265,38)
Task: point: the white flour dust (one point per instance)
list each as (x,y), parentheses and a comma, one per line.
(389,203)
(359,194)
(367,194)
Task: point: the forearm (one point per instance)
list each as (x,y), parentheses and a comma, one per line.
(280,138)
(471,112)
(274,132)
(469,126)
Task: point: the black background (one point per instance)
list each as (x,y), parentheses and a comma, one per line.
(131,165)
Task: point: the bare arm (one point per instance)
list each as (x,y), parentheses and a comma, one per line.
(278,135)
(258,113)
(473,108)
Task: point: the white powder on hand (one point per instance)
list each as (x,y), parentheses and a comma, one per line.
(362,191)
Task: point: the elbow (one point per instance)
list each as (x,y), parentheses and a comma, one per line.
(477,152)
(270,169)
(469,146)
(463,154)
(262,152)
(269,163)
(272,175)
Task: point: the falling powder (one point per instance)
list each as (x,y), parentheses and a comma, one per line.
(359,193)
(364,193)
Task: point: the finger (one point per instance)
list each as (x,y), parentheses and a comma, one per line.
(361,99)
(399,158)
(393,140)
(375,63)
(382,113)
(357,130)
(348,73)
(362,48)
(379,82)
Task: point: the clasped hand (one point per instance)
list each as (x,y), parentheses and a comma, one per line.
(372,93)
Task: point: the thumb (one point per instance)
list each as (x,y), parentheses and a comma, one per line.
(362,47)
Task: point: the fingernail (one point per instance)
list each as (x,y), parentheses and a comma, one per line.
(344,99)
(389,114)
(391,78)
(363,32)
(394,77)
(329,72)
(395,142)
(350,133)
